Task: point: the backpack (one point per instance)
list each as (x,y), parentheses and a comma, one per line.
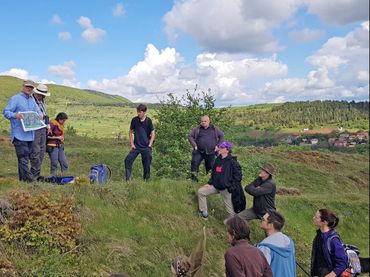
(99,174)
(60,180)
(352,252)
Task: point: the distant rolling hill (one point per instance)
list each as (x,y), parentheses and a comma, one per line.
(59,94)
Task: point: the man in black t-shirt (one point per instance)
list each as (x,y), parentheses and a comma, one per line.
(141,139)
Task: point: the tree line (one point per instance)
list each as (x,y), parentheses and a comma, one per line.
(306,113)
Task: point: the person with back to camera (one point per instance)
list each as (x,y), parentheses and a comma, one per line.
(204,140)
(328,257)
(55,146)
(243,259)
(142,137)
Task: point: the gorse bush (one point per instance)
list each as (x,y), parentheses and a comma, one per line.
(176,117)
(40,223)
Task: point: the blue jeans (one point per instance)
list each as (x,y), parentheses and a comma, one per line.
(146,159)
(23,151)
(57,156)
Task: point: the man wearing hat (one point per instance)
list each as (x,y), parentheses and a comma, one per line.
(263,190)
(225,179)
(39,144)
(22,141)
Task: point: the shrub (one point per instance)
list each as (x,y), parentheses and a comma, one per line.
(40,223)
(176,117)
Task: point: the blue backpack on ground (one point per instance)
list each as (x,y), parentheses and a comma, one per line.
(99,174)
(60,180)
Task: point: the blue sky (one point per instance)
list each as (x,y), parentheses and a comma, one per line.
(245,51)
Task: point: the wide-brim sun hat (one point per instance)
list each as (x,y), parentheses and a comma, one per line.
(41,89)
(268,168)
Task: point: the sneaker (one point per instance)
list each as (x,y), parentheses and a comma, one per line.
(204,214)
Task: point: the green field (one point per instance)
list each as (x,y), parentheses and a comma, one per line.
(137,228)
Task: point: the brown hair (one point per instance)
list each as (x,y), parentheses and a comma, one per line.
(328,216)
(141,108)
(276,219)
(238,228)
(61,116)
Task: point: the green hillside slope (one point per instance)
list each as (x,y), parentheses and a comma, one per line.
(60,94)
(307,113)
(80,105)
(138,227)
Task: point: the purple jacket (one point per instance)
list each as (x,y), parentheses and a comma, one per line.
(336,259)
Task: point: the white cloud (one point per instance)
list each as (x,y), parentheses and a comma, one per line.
(306,35)
(344,56)
(64,36)
(56,20)
(119,10)
(342,71)
(93,35)
(327,61)
(17,72)
(363,75)
(230,26)
(65,71)
(319,79)
(85,22)
(340,12)
(46,82)
(90,34)
(163,71)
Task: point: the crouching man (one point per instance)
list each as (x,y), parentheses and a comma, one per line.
(225,179)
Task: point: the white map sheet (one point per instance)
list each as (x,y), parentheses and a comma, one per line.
(31,121)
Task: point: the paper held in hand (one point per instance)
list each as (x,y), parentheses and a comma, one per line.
(31,121)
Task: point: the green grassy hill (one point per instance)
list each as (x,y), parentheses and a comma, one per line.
(312,114)
(91,113)
(60,95)
(137,227)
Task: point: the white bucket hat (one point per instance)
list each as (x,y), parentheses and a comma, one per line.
(41,89)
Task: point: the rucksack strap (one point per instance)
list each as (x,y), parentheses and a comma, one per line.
(328,242)
(109,175)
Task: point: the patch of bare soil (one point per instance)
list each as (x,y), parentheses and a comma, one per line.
(314,159)
(361,179)
(323,131)
(288,191)
(4,139)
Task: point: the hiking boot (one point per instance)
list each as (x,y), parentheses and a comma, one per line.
(194,177)
(204,214)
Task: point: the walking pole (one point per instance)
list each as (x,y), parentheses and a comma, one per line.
(309,275)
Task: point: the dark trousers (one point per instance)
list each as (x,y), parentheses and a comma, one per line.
(322,272)
(23,151)
(198,157)
(146,159)
(38,152)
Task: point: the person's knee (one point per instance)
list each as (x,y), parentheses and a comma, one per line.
(202,192)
